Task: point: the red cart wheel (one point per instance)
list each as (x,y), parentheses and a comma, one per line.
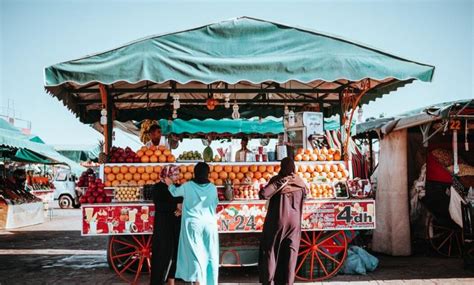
(445,238)
(130,256)
(321,255)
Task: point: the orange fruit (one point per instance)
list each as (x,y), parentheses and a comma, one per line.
(298,157)
(228,168)
(152,147)
(154,176)
(334,168)
(337,156)
(267,175)
(188,176)
(171,158)
(132,183)
(303,168)
(162,147)
(331,175)
(310,168)
(145,159)
(339,175)
(223,175)
(308,151)
(150,182)
(305,157)
(140,169)
(240,176)
(270,168)
(307,175)
(214,175)
(253,168)
(250,174)
(181,175)
(327,168)
(329,157)
(257,175)
(107,184)
(107,170)
(232,175)
(236,169)
(319,168)
(128,176)
(262,181)
(157,152)
(167,152)
(145,176)
(244,169)
(149,152)
(182,169)
(277,168)
(123,169)
(119,176)
(316,151)
(211,168)
(212,180)
(235,181)
(219,182)
(331,151)
(313,157)
(346,173)
(115,169)
(144,148)
(182,181)
(110,177)
(322,157)
(157,169)
(262,168)
(115,183)
(162,158)
(218,168)
(300,151)
(153,159)
(140,153)
(190,168)
(341,166)
(132,169)
(148,169)
(141,182)
(137,176)
(324,151)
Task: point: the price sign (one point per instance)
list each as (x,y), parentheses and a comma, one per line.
(455,125)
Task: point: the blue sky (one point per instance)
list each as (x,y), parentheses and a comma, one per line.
(36,34)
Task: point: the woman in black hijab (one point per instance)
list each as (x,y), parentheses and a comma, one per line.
(282,228)
(166,229)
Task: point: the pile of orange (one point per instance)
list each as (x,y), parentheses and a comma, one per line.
(323,154)
(128,175)
(155,154)
(321,191)
(332,172)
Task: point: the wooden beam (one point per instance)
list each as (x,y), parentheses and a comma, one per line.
(203,101)
(204,90)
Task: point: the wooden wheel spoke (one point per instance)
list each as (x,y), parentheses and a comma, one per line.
(328,238)
(148,261)
(125,243)
(148,243)
(139,271)
(441,227)
(123,255)
(329,257)
(312,264)
(441,245)
(307,239)
(334,246)
(127,266)
(321,264)
(306,242)
(304,251)
(301,262)
(137,241)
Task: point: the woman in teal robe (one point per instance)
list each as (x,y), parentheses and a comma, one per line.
(198,251)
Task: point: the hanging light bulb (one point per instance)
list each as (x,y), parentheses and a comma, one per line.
(176,104)
(291,118)
(103,117)
(287,111)
(227,100)
(235,114)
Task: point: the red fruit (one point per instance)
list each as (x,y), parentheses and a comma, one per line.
(95,193)
(129,160)
(98,181)
(137,160)
(83,200)
(108,199)
(91,200)
(99,199)
(100,190)
(120,160)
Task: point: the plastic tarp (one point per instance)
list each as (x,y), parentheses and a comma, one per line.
(25,155)
(12,137)
(79,153)
(224,126)
(240,49)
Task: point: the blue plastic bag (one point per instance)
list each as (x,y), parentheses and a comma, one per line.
(359,261)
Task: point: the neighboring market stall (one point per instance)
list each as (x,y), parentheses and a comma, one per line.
(429,152)
(239,69)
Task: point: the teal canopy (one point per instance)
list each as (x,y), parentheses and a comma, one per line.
(249,58)
(32,150)
(224,126)
(79,153)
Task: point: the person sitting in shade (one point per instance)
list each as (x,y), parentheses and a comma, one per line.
(241,155)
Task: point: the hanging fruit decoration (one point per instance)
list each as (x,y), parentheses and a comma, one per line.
(211,103)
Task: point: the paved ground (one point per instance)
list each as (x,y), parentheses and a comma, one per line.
(55,253)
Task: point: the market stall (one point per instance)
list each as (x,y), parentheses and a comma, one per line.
(434,166)
(174,76)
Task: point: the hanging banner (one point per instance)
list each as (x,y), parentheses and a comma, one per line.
(233,217)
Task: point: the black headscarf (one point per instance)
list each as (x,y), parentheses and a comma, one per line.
(201,173)
(287,167)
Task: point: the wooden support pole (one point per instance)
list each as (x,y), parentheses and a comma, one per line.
(107,105)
